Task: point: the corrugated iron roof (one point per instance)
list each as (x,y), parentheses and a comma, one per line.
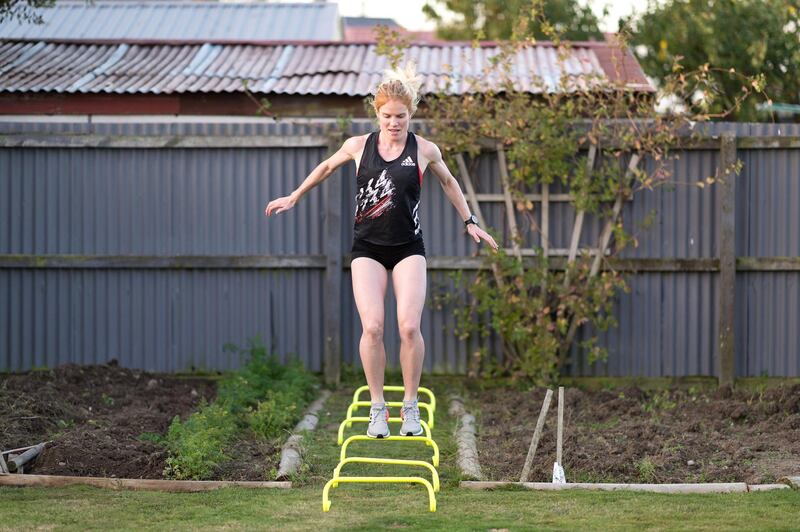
(177,20)
(296,69)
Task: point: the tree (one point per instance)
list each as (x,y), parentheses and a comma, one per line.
(495,19)
(23,10)
(750,36)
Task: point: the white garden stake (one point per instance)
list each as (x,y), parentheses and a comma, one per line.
(558,471)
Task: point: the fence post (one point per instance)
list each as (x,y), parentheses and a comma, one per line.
(333,278)
(726,362)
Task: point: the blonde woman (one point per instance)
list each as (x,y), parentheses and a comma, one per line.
(387,236)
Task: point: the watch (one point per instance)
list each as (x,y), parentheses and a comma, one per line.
(471,220)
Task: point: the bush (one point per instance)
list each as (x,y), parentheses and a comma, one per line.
(265,396)
(196,445)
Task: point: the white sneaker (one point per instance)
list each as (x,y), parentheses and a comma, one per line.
(378,421)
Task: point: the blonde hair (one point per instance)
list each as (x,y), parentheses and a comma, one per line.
(401,84)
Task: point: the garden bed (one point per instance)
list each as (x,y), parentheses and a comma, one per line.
(95,417)
(106,421)
(633,435)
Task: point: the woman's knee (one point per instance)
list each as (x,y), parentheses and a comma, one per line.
(373,331)
(409,331)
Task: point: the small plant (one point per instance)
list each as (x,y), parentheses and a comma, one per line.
(196,445)
(659,402)
(646,469)
(272,416)
(152,437)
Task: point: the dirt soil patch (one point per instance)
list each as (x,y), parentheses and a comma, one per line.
(632,435)
(95,417)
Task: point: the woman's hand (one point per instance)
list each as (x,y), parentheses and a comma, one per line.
(280,205)
(477,233)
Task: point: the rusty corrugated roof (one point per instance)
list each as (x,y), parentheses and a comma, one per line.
(281,68)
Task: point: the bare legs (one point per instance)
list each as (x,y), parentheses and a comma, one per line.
(409,288)
(369,289)
(370,279)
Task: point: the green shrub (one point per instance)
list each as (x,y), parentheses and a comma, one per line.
(272,416)
(264,396)
(196,445)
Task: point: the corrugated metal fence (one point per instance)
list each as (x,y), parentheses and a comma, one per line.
(147,242)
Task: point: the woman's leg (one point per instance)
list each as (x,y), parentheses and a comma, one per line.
(410,282)
(369,289)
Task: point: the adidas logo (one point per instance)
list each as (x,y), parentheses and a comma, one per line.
(408,162)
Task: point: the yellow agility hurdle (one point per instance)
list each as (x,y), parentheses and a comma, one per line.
(429,407)
(363,437)
(326,502)
(351,410)
(390,461)
(421,389)
(350,420)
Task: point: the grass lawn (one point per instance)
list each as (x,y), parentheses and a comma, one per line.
(362,507)
(372,507)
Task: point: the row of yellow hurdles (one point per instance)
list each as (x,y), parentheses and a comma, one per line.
(427,425)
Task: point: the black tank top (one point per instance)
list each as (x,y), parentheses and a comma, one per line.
(387,202)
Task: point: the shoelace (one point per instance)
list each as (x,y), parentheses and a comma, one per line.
(375,414)
(411,413)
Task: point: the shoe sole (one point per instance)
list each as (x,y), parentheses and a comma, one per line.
(379,436)
(420,433)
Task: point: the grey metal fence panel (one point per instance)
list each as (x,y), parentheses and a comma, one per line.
(767,341)
(667,326)
(156,320)
(157,202)
(175,202)
(770,195)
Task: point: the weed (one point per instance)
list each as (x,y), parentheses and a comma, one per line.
(646,469)
(196,445)
(607,424)
(659,402)
(152,437)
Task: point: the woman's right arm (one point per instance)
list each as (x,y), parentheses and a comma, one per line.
(347,152)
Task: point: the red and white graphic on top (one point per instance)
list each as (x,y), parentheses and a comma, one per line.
(375,198)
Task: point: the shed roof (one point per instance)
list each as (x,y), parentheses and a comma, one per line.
(180,20)
(282,68)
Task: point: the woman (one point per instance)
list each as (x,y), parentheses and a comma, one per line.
(387,236)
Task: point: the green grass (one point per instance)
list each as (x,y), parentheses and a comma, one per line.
(373,507)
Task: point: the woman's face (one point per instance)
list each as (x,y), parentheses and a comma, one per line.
(393,117)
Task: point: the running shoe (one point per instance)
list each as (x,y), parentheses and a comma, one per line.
(378,421)
(410,416)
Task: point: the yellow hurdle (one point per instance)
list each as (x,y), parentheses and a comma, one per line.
(421,389)
(363,437)
(355,406)
(429,407)
(391,461)
(326,502)
(350,420)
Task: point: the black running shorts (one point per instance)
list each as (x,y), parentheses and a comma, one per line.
(388,256)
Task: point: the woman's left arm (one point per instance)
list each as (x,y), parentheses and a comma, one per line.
(431,152)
